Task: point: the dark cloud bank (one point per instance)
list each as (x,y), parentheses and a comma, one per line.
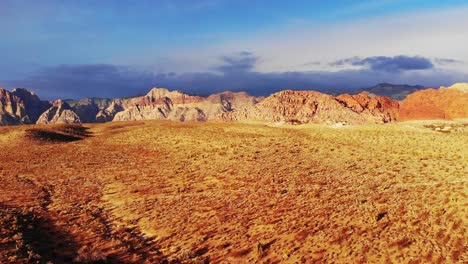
(389,64)
(236,73)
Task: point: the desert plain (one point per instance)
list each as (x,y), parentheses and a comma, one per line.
(240,192)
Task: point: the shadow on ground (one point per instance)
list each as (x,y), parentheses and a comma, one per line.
(60,133)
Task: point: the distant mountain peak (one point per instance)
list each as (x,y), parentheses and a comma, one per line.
(395,91)
(20,90)
(157,90)
(392,84)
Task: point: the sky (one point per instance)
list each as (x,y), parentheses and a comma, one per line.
(88,48)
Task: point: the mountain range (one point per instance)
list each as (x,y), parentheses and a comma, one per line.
(21,106)
(395,91)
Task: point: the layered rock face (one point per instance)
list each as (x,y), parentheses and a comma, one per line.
(20,107)
(376,109)
(59,113)
(231,100)
(443,103)
(314,107)
(12,109)
(33,105)
(87,109)
(23,107)
(108,113)
(161,103)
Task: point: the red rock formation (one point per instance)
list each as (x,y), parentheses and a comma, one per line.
(289,106)
(34,107)
(59,113)
(380,106)
(176,97)
(443,103)
(12,110)
(314,107)
(107,114)
(20,107)
(161,103)
(23,107)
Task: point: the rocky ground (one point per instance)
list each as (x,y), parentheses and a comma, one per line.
(447,128)
(159,191)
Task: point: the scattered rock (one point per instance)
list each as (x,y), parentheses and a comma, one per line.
(447,128)
(380,216)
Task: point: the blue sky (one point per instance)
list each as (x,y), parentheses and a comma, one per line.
(64,48)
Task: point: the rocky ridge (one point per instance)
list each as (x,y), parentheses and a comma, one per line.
(23,107)
(12,109)
(443,103)
(59,113)
(160,103)
(313,107)
(20,107)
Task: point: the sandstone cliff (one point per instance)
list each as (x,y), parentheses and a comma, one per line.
(20,107)
(161,103)
(12,109)
(376,109)
(288,106)
(34,106)
(59,113)
(314,107)
(442,103)
(23,107)
(88,109)
(108,113)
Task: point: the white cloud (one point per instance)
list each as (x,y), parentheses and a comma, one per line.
(431,33)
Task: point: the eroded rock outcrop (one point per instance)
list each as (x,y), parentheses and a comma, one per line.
(314,107)
(107,114)
(229,104)
(161,103)
(442,103)
(34,106)
(12,109)
(297,107)
(88,108)
(375,109)
(20,107)
(59,113)
(288,106)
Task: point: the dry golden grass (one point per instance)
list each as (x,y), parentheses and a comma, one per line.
(234,193)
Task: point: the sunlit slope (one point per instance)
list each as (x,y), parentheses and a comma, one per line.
(234,192)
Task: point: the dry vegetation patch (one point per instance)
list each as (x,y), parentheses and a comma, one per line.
(241,192)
